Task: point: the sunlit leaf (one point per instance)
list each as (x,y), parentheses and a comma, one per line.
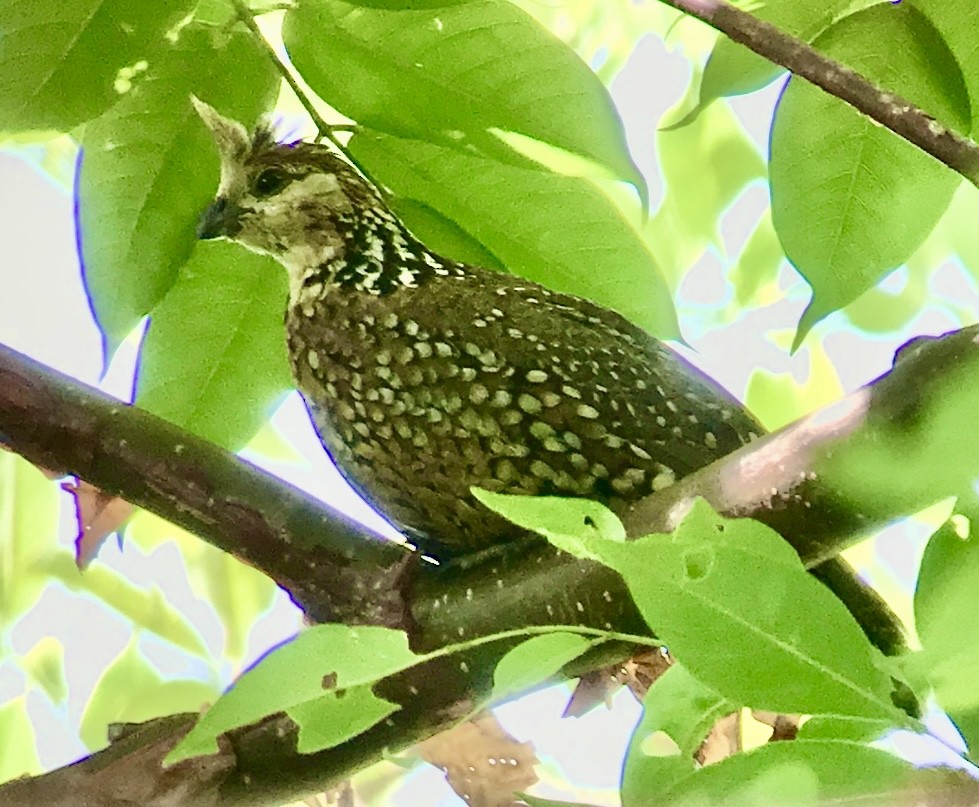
(147,608)
(28,532)
(60,61)
(149,167)
(733,69)
(678,712)
(560,231)
(214,358)
(850,199)
(45,663)
(298,676)
(130,690)
(535,660)
(452,74)
(18,744)
(813,771)
(789,644)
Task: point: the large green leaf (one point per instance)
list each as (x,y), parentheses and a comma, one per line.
(804,772)
(451,74)
(60,59)
(851,200)
(955,21)
(214,359)
(305,677)
(789,644)
(149,167)
(560,231)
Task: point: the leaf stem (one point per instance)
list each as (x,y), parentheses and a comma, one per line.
(323,129)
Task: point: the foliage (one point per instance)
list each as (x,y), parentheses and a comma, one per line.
(499,145)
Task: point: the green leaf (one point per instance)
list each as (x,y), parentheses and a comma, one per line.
(835,727)
(336,717)
(214,360)
(130,690)
(946,600)
(534,661)
(851,200)
(149,168)
(146,608)
(28,532)
(812,771)
(561,521)
(442,234)
(45,664)
(560,231)
(296,676)
(954,20)
(733,69)
(18,744)
(453,74)
(789,644)
(59,60)
(678,713)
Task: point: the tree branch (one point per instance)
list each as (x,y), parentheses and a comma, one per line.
(959,153)
(60,423)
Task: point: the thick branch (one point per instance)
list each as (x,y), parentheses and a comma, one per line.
(959,153)
(328,562)
(76,429)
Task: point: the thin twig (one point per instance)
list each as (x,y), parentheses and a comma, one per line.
(323,129)
(958,152)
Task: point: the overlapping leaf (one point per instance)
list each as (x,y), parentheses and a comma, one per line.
(850,199)
(789,644)
(214,359)
(149,167)
(733,69)
(451,73)
(59,60)
(560,231)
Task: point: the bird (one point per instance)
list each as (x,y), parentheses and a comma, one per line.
(426,377)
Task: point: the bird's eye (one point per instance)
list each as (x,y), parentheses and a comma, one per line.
(271,180)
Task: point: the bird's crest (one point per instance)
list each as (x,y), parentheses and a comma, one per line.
(235,144)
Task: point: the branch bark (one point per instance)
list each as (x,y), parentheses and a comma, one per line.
(60,423)
(915,125)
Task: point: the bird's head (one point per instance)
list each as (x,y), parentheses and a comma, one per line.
(293,201)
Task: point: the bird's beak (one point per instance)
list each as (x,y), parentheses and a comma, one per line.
(219,220)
